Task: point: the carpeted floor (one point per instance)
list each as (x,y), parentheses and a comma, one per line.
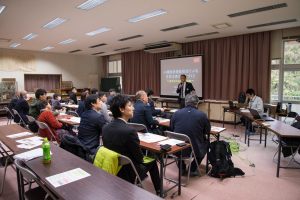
(259,182)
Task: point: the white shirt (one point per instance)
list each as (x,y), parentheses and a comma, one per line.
(183,90)
(257,104)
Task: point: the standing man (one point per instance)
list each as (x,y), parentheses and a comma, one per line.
(183,89)
(73,96)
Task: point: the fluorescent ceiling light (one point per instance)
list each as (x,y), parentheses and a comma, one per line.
(14,45)
(2,8)
(68,41)
(100,30)
(221,26)
(54,23)
(147,15)
(47,48)
(30,36)
(89,4)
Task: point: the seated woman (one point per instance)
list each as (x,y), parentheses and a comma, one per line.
(155,112)
(48,117)
(55,102)
(118,136)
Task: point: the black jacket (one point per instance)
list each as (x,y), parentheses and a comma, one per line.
(73,97)
(23,109)
(188,88)
(121,138)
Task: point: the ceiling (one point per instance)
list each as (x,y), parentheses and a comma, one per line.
(20,18)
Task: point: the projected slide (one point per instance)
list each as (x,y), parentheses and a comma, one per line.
(171,69)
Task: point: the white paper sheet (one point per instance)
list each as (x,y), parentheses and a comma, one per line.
(17,135)
(173,110)
(162,120)
(67,177)
(29,143)
(171,142)
(150,137)
(75,119)
(217,129)
(245,110)
(29,155)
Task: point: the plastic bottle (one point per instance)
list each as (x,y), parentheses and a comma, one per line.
(46,151)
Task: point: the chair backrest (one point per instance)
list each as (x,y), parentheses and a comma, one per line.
(9,112)
(178,136)
(30,119)
(292,114)
(17,113)
(73,113)
(139,127)
(44,126)
(28,174)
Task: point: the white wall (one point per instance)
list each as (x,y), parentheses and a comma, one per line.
(80,69)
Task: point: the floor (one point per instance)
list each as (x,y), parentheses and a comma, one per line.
(256,161)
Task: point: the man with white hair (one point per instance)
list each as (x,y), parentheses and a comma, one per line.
(195,124)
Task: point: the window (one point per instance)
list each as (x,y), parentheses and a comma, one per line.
(114,67)
(285,74)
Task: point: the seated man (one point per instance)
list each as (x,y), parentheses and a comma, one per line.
(48,117)
(118,136)
(112,93)
(154,111)
(73,96)
(142,112)
(34,109)
(195,124)
(90,127)
(81,103)
(13,102)
(104,110)
(22,107)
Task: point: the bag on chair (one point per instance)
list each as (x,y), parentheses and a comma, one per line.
(219,156)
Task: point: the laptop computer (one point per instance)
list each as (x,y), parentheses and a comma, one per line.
(257,116)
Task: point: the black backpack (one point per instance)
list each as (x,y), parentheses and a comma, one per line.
(242,97)
(219,156)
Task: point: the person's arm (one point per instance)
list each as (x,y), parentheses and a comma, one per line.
(52,121)
(172,122)
(179,88)
(105,113)
(206,124)
(148,116)
(192,87)
(134,147)
(260,105)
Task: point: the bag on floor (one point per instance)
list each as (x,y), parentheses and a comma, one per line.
(219,156)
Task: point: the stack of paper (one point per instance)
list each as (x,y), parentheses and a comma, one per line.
(28,155)
(29,143)
(245,110)
(171,142)
(17,135)
(150,137)
(217,129)
(75,119)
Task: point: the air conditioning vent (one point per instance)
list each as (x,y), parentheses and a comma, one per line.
(162,47)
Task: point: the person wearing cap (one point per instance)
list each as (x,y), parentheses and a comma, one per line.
(195,124)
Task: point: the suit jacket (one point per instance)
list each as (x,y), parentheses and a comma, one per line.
(90,129)
(23,109)
(81,108)
(142,114)
(193,123)
(152,107)
(188,88)
(55,104)
(121,138)
(73,97)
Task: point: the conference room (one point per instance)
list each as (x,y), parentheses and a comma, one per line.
(182,77)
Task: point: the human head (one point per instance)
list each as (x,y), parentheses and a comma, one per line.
(102,97)
(149,92)
(23,94)
(84,95)
(74,89)
(57,96)
(122,107)
(112,92)
(44,105)
(93,102)
(250,93)
(94,91)
(191,100)
(141,95)
(41,94)
(182,78)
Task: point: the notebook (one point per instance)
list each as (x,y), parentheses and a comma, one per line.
(256,115)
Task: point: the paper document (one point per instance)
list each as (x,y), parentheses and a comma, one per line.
(29,143)
(29,155)
(75,119)
(17,135)
(171,142)
(217,129)
(162,120)
(67,177)
(173,110)
(150,137)
(266,124)
(245,110)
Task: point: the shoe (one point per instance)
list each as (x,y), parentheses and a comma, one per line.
(194,173)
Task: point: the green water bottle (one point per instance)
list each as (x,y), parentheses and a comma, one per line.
(46,151)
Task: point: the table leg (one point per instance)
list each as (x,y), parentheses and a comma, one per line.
(223,116)
(279,155)
(260,135)
(20,184)
(180,172)
(266,135)
(161,176)
(234,120)
(207,153)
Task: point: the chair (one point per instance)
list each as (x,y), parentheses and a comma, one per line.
(8,161)
(73,113)
(188,160)
(10,116)
(139,127)
(294,149)
(21,122)
(122,161)
(293,115)
(44,126)
(40,192)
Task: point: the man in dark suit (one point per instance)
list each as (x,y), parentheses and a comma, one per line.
(184,88)
(91,123)
(118,136)
(195,124)
(142,111)
(22,107)
(73,96)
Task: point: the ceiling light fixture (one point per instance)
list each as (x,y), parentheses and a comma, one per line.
(30,36)
(89,4)
(147,15)
(98,31)
(14,45)
(68,41)
(47,48)
(54,23)
(221,26)
(2,8)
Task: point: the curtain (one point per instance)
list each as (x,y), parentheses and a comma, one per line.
(231,65)
(51,83)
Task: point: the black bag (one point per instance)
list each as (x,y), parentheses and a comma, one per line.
(242,97)
(219,156)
